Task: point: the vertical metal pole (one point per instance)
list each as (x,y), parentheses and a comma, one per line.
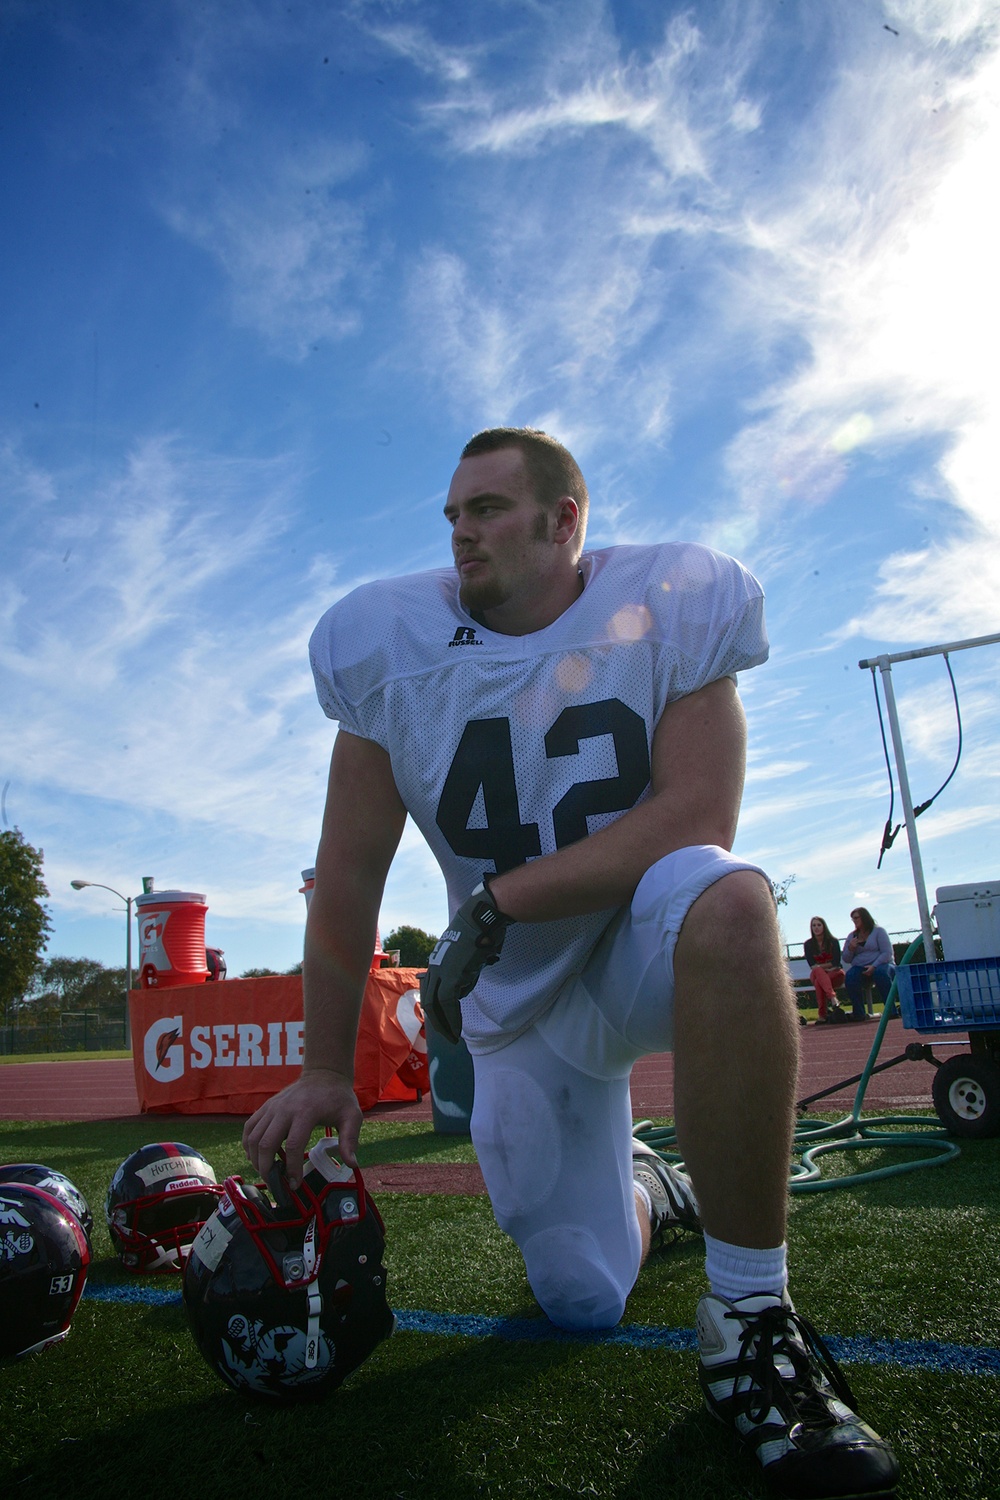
(128,963)
(911,823)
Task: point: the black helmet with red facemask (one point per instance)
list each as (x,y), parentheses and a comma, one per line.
(285,1293)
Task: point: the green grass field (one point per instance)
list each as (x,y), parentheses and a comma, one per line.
(127,1403)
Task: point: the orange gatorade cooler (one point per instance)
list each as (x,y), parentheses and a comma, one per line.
(171,938)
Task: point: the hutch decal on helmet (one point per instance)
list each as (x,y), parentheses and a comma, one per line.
(158,1200)
(55,1184)
(285,1294)
(44,1257)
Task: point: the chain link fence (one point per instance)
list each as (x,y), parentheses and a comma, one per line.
(76,1033)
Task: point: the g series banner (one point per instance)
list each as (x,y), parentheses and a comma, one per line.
(225,1048)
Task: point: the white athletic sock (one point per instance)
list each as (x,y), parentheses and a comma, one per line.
(736,1271)
(643,1194)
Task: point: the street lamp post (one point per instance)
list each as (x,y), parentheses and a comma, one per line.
(78,885)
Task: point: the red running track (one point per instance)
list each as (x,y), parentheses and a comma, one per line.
(105,1090)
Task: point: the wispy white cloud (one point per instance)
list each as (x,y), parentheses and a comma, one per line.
(129,562)
(950,21)
(291,241)
(450,65)
(929,722)
(555,299)
(659,101)
(776,770)
(24,484)
(503,353)
(128,688)
(869,251)
(884,286)
(473,346)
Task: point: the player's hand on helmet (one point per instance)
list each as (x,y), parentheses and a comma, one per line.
(473,939)
(319,1096)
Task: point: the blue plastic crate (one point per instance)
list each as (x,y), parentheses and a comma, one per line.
(962,994)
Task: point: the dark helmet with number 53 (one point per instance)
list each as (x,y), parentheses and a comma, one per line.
(286,1298)
(159,1198)
(44,1256)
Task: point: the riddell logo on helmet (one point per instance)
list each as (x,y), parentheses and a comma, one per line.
(237,1044)
(182,1183)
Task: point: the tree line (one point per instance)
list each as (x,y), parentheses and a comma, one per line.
(24,922)
(411,943)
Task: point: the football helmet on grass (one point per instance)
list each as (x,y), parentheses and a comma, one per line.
(52,1182)
(285,1294)
(159,1198)
(44,1256)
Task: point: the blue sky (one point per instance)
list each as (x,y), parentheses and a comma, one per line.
(267,266)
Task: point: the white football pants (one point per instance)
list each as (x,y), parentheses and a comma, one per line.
(552,1117)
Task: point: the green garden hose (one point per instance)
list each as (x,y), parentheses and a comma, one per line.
(814,1139)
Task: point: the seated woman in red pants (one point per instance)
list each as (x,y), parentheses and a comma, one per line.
(823,957)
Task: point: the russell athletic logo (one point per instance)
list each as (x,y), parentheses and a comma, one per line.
(465,636)
(235,1044)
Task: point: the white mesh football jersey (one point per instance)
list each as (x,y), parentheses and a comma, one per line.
(507,747)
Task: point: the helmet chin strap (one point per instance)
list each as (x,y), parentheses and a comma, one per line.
(309,1269)
(314,1305)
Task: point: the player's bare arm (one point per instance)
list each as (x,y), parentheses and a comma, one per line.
(697,769)
(362,826)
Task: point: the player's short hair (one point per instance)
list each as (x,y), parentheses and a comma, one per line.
(552,469)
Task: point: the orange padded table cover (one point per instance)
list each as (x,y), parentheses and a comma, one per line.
(226,1047)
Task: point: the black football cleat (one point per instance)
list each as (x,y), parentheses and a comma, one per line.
(768,1376)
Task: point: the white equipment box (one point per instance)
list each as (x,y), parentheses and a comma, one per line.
(968,919)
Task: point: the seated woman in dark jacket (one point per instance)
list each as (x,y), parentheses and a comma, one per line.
(823,957)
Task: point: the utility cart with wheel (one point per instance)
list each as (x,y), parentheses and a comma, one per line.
(962,992)
(940,1000)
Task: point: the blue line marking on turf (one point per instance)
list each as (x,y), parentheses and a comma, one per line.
(929,1354)
(136,1293)
(541,1331)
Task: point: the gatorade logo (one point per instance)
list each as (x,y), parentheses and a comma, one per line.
(411,1018)
(163,1050)
(166,1052)
(151,947)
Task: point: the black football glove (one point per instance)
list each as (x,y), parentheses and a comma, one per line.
(473,939)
